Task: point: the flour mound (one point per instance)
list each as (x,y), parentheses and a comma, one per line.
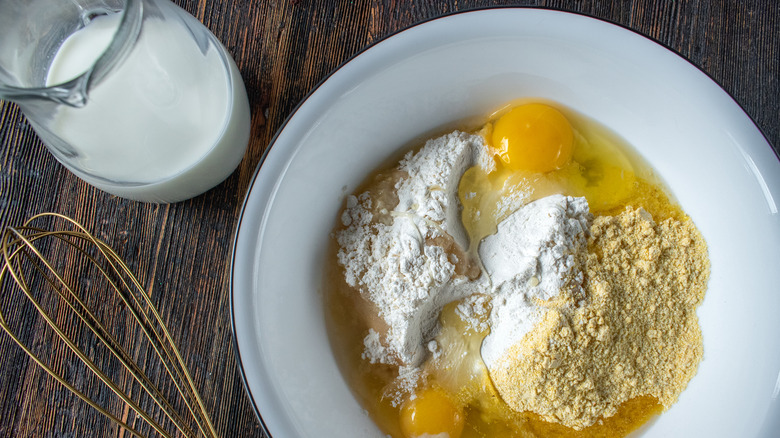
(400,263)
(430,193)
(530,259)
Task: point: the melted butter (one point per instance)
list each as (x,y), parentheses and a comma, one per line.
(630,415)
(608,174)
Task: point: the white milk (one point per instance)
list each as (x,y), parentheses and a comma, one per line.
(166,124)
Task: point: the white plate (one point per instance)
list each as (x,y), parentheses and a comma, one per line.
(717,163)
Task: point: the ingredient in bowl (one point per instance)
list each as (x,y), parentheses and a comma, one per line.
(533,137)
(583,362)
(529,260)
(481,293)
(397,255)
(431,413)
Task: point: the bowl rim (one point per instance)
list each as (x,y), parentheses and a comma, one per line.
(316,87)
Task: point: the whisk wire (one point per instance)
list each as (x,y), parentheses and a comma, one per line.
(172,354)
(96,327)
(22,282)
(19,241)
(67,384)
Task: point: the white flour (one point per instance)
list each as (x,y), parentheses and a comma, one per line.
(529,260)
(401,267)
(430,194)
(397,266)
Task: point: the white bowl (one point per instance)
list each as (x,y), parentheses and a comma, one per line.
(718,165)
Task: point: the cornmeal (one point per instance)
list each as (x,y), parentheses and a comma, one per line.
(635,333)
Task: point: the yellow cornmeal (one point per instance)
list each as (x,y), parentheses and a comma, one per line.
(636,335)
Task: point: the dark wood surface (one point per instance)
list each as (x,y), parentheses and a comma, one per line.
(283,48)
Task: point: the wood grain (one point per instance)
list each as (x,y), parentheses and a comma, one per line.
(284,48)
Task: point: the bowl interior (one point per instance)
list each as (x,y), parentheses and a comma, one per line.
(716,162)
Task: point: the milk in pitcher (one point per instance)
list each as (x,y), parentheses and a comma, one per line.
(170,121)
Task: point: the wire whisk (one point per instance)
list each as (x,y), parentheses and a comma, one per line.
(24,250)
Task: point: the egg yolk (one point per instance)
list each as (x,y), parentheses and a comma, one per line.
(533,137)
(431,413)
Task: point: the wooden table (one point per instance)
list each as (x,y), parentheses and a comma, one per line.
(181,252)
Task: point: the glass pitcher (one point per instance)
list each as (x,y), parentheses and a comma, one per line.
(136,97)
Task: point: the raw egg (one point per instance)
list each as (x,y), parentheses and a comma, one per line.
(542,150)
(431,413)
(533,137)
